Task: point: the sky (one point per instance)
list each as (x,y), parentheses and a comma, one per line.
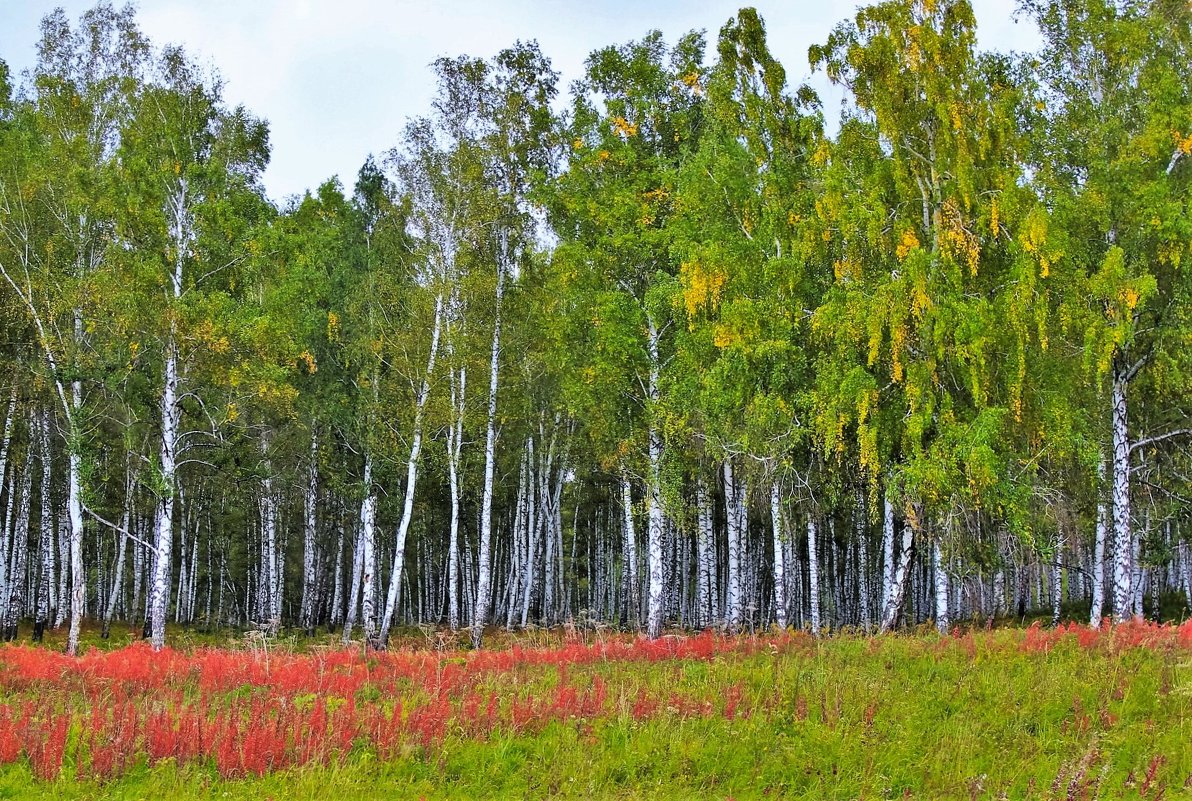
(338,79)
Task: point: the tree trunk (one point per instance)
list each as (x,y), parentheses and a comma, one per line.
(310,532)
(942,622)
(368,512)
(780,604)
(732,504)
(407,513)
(893,609)
(1123,564)
(455,437)
(632,583)
(706,548)
(813,575)
(1097,610)
(485,569)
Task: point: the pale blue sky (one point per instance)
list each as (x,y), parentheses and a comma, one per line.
(337,80)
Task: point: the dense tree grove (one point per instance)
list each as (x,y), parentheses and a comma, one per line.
(667,351)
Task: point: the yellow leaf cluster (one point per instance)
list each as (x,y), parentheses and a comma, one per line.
(961,243)
(994,218)
(1130,297)
(1035,243)
(957,114)
(723,336)
(897,343)
(623,127)
(821,154)
(1182,143)
(701,287)
(906,244)
(691,81)
(577,144)
(847,268)
(603,155)
(332,326)
(233,412)
(307,360)
(920,302)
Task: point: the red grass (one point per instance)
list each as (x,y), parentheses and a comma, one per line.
(247,714)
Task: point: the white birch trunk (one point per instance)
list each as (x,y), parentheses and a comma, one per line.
(1097,610)
(893,608)
(455,436)
(171,415)
(887,553)
(1123,563)
(407,512)
(16,595)
(780,604)
(942,621)
(45,583)
(813,573)
(733,594)
(655,511)
(485,567)
(862,533)
(310,531)
(632,600)
(364,533)
(706,580)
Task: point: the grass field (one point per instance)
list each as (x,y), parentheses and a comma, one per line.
(1007,713)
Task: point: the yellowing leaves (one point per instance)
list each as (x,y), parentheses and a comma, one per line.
(956,239)
(1182,143)
(701,287)
(306,360)
(1129,297)
(906,243)
(723,336)
(1035,242)
(623,127)
(847,269)
(332,326)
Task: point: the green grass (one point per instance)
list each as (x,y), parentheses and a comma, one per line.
(907,716)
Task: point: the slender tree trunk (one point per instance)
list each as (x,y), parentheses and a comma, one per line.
(887,553)
(121,550)
(862,533)
(455,437)
(485,568)
(17,581)
(364,533)
(171,414)
(655,511)
(1123,567)
(734,601)
(407,514)
(45,583)
(813,573)
(706,547)
(632,583)
(893,609)
(1097,610)
(310,532)
(780,603)
(337,599)
(942,622)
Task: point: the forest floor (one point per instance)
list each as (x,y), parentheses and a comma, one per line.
(1005,713)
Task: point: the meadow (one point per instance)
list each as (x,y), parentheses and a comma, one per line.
(1067,713)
